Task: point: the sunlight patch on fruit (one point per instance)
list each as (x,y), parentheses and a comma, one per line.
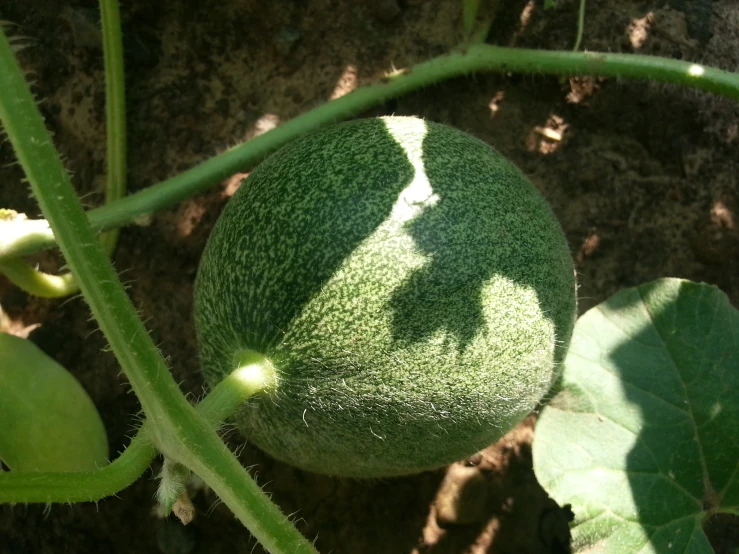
(419,194)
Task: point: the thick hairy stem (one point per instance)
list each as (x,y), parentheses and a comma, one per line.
(20,272)
(177,430)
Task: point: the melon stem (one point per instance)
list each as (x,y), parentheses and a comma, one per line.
(254,374)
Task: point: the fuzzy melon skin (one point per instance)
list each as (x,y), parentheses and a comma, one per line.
(412,288)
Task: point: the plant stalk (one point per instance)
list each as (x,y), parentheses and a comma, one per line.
(176,428)
(580,26)
(115,112)
(20,272)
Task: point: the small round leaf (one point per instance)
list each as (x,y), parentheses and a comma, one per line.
(47,420)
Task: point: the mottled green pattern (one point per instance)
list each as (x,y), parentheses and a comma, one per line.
(411,286)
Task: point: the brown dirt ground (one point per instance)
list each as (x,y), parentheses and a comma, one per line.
(643,177)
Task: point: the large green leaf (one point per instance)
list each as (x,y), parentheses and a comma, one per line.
(47,421)
(642,438)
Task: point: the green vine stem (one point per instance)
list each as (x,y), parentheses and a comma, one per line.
(470,8)
(476,58)
(20,236)
(176,429)
(18,487)
(223,400)
(18,271)
(39,283)
(22,274)
(115,112)
(580,25)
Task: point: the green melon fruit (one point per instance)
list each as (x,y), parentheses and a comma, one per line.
(412,289)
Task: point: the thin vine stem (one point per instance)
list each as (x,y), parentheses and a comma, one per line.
(115,112)
(476,58)
(39,283)
(580,25)
(177,430)
(90,486)
(470,8)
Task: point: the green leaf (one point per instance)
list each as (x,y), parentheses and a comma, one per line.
(48,422)
(641,438)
